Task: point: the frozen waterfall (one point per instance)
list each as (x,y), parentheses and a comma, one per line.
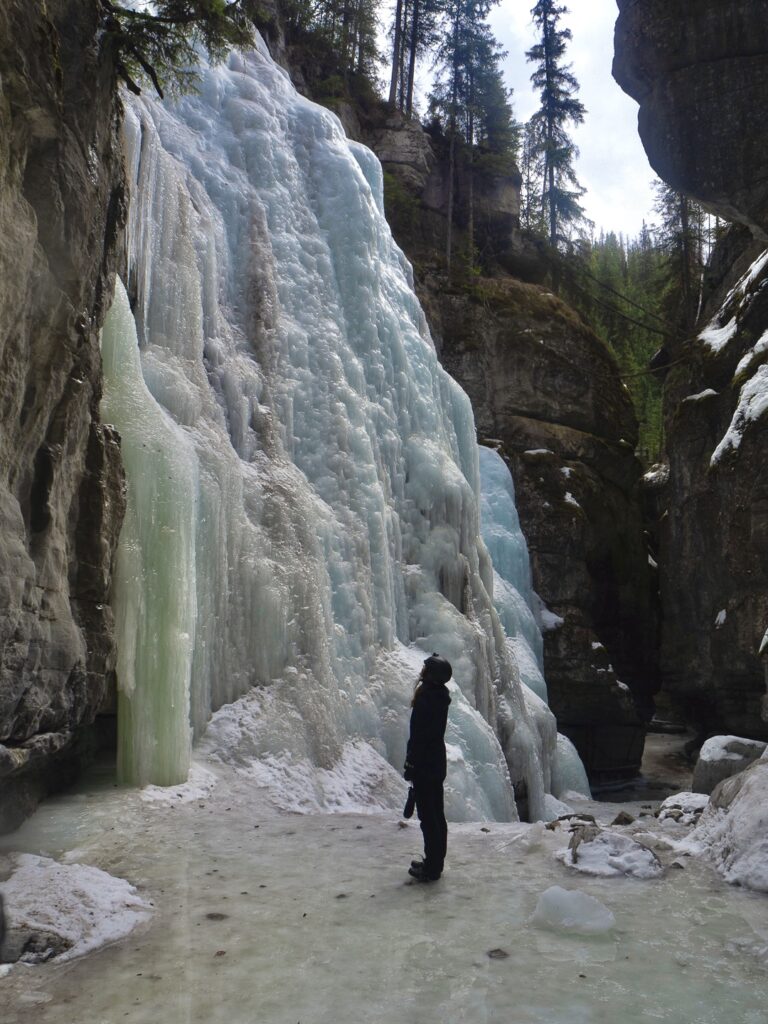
(303,479)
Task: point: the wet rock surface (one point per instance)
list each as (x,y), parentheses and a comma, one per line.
(61,207)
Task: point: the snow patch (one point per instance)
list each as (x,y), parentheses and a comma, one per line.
(81,905)
(609,855)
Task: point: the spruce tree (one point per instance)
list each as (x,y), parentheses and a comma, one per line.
(560,107)
(682,241)
(469,99)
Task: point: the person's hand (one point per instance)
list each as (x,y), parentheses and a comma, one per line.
(408,772)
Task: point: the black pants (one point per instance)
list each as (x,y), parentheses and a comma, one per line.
(429,807)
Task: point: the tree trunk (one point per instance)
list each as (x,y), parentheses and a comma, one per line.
(412,58)
(396,53)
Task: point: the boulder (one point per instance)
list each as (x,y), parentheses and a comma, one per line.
(721,757)
(734,828)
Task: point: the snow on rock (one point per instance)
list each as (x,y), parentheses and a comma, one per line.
(569,910)
(752,406)
(707,393)
(753,398)
(549,620)
(71,907)
(608,854)
(721,757)
(716,337)
(734,828)
(684,808)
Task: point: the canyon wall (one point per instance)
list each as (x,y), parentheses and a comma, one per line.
(701,83)
(61,499)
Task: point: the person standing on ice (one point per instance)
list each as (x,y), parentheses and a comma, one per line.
(425,764)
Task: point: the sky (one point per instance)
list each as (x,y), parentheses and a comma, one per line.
(612,164)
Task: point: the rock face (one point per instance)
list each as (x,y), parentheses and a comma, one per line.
(545,386)
(713,536)
(701,78)
(61,502)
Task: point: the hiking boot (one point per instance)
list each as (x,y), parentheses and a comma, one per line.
(421,875)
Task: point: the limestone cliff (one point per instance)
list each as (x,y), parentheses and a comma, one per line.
(61,502)
(700,78)
(546,387)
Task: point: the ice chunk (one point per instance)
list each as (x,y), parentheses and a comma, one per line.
(570,910)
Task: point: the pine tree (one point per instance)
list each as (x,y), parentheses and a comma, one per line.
(559,107)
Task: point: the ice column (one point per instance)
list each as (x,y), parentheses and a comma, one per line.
(154,588)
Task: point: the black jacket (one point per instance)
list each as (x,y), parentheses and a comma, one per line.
(426,743)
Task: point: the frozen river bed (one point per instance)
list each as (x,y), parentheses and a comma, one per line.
(275,918)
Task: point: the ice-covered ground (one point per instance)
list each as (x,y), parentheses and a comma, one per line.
(275,917)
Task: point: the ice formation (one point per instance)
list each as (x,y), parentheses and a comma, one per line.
(303,475)
(520,610)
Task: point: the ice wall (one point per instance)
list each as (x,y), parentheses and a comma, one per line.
(519,608)
(328,521)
